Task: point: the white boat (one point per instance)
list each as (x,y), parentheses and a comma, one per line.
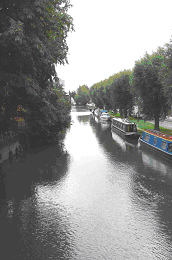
(105,116)
(97,112)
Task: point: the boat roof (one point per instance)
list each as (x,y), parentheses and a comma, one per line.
(123,120)
(104,111)
(153,132)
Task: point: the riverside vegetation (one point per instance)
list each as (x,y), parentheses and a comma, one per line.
(148,85)
(33,40)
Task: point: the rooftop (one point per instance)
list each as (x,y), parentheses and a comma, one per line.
(123,120)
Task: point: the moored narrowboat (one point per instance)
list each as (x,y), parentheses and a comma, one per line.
(157,142)
(97,112)
(124,127)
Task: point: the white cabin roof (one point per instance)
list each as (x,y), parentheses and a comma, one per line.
(123,120)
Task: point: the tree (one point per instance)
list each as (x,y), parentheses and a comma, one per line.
(121,92)
(165,73)
(95,96)
(72,94)
(114,92)
(82,97)
(147,84)
(32,40)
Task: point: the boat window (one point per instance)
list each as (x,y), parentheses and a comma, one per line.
(147,136)
(170,147)
(131,128)
(163,145)
(155,140)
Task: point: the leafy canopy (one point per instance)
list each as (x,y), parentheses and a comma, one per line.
(32,40)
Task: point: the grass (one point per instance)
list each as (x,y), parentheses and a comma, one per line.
(141,125)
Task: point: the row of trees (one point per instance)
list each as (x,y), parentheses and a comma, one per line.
(148,84)
(33,40)
(81,96)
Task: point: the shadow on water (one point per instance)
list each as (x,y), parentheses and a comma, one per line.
(19,180)
(35,165)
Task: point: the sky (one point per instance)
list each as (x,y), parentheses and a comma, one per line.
(110,36)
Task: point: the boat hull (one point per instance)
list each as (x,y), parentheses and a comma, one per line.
(97,114)
(105,118)
(123,134)
(154,149)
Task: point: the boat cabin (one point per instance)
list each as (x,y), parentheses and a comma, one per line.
(124,125)
(104,111)
(158,140)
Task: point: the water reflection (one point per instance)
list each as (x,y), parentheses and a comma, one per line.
(96,119)
(105,125)
(157,163)
(21,178)
(152,195)
(95,196)
(123,143)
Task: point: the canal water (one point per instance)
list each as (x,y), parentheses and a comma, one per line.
(93,197)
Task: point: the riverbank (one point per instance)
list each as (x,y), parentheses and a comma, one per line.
(164,126)
(9,148)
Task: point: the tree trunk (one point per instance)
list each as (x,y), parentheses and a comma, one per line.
(137,116)
(125,113)
(121,112)
(156,127)
(115,111)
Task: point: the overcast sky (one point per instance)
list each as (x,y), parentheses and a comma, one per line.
(111,35)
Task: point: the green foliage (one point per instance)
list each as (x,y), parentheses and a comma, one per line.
(165,72)
(121,92)
(113,92)
(72,94)
(32,40)
(148,87)
(82,97)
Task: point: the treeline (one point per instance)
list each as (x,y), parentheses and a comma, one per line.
(81,96)
(32,41)
(148,85)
